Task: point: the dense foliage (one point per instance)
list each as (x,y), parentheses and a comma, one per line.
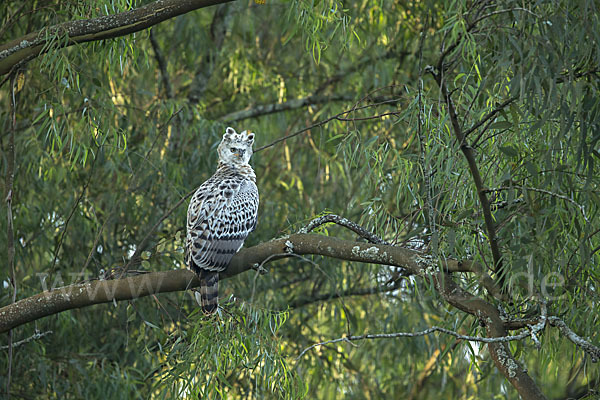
(111,134)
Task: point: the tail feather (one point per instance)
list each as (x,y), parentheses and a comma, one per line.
(209,292)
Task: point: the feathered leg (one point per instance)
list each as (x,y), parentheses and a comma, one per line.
(209,291)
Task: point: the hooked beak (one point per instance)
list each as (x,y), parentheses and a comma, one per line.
(240,153)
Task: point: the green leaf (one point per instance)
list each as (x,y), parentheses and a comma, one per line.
(501,125)
(510,151)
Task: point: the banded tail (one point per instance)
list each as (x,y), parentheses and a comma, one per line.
(208,298)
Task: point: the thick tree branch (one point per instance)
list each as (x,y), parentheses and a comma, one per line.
(489,317)
(104,291)
(33,44)
(587,347)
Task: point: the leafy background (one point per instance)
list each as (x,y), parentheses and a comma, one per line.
(108,140)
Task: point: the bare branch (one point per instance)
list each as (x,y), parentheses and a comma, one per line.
(33,44)
(532,189)
(491,14)
(502,339)
(265,109)
(359,230)
(397,284)
(35,336)
(325,121)
(590,349)
(162,65)
(369,117)
(105,291)
(475,174)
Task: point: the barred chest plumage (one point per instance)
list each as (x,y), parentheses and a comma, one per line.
(221,214)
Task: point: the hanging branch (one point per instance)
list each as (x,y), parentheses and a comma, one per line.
(162,65)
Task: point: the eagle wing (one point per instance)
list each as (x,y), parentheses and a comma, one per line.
(220,217)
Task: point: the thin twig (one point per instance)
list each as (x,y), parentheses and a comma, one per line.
(261,271)
(139,248)
(346,223)
(348,339)
(367,118)
(162,65)
(422,142)
(291,135)
(338,117)
(532,189)
(10,243)
(75,206)
(396,284)
(490,115)
(35,336)
(491,14)
(587,347)
(266,109)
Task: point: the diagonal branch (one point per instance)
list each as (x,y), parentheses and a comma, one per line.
(477,180)
(33,44)
(587,347)
(346,223)
(338,117)
(489,316)
(162,65)
(35,336)
(490,115)
(265,109)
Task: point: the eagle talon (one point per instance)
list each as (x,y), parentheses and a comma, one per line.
(259,268)
(289,247)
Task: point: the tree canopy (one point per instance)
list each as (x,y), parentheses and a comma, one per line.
(429,177)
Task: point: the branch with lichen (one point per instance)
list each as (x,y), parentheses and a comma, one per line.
(107,291)
(25,48)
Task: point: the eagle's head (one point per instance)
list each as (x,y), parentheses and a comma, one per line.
(236,148)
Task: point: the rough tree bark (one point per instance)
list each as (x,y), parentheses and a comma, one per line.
(81,295)
(27,47)
(414,262)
